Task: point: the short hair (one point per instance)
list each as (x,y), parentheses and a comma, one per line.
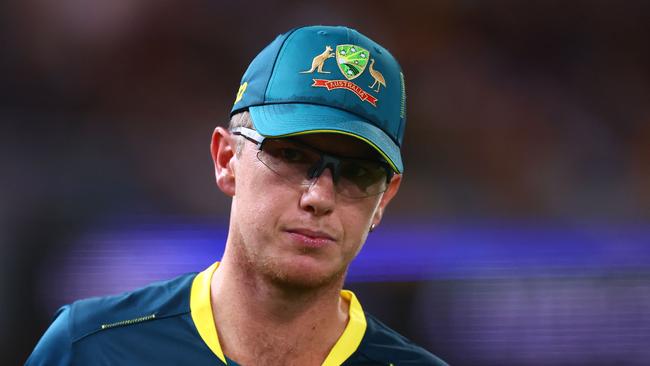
(241,119)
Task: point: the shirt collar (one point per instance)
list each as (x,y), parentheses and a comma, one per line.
(201,311)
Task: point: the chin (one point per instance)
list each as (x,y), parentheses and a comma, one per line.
(304,273)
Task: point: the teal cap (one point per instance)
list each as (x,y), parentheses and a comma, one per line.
(323,79)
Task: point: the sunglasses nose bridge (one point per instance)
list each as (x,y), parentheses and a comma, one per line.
(323,163)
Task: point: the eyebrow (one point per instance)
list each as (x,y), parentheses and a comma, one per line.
(254,136)
(373,156)
(367,154)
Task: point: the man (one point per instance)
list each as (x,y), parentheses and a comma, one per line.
(311,160)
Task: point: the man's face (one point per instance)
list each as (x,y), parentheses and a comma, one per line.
(300,236)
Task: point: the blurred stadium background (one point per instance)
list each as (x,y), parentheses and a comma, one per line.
(521,235)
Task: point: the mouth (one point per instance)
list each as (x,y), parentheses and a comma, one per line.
(311,238)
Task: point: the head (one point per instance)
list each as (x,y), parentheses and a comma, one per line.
(304,232)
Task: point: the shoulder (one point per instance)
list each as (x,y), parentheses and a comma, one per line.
(54,347)
(159,299)
(84,318)
(383,344)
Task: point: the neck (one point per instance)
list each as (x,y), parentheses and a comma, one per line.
(274,301)
(246,306)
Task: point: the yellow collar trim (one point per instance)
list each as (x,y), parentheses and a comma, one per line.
(352,335)
(201,311)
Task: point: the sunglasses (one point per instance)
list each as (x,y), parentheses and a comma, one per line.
(301,164)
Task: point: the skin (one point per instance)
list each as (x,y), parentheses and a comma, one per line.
(287,253)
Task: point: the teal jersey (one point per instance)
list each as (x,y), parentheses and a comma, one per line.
(171,323)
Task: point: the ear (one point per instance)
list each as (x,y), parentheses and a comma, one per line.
(223,148)
(393,187)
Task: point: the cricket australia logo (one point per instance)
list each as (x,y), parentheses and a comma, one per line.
(352,61)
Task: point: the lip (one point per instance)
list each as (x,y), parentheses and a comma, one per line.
(311,238)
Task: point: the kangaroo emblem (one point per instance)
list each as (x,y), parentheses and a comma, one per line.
(318,62)
(379,78)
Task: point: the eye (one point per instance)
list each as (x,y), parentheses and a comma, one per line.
(363,175)
(292,155)
(355,171)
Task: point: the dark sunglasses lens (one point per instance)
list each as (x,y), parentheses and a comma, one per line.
(360,178)
(287,159)
(298,164)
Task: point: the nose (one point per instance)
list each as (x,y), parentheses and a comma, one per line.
(319,197)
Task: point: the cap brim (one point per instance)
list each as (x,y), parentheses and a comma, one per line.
(281,120)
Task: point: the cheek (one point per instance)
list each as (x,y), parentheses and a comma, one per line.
(260,199)
(357,222)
